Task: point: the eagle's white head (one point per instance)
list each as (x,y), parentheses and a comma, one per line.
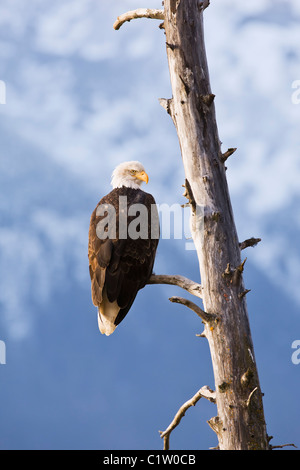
(129,174)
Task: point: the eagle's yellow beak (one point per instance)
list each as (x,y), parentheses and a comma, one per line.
(142,175)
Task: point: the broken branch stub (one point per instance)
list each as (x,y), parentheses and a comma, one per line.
(139,13)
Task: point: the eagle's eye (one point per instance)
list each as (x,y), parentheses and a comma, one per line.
(133,172)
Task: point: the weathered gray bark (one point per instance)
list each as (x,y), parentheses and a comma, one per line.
(240,423)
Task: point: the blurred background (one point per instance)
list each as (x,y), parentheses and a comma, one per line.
(80,99)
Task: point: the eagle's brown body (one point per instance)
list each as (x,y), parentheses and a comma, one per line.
(120,267)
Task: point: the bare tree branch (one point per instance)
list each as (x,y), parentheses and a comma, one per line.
(139,13)
(202,5)
(176,280)
(204,392)
(249,242)
(227,154)
(206,317)
(284,445)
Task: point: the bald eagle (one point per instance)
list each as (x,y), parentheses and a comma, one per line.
(122,245)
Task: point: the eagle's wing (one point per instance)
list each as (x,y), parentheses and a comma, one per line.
(99,253)
(120,267)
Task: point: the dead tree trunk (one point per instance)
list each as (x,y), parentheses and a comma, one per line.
(240,423)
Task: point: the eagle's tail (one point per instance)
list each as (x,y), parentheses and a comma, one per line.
(107,313)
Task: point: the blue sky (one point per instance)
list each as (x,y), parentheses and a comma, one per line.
(81,98)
